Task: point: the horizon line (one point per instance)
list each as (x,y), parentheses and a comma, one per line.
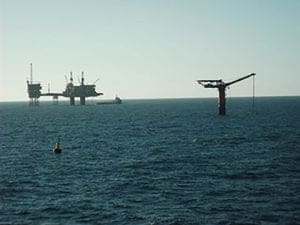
(159,98)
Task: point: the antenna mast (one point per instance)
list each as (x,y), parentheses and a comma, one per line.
(253,99)
(31,73)
(71,77)
(82,78)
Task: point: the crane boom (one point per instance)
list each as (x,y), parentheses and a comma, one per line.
(200,81)
(209,83)
(240,79)
(221,88)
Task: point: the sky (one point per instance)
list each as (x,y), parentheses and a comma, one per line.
(150,48)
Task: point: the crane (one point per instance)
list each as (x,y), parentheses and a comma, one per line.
(221,85)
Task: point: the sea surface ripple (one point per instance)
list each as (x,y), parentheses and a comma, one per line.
(151,162)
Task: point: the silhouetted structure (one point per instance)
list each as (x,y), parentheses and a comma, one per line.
(221,87)
(72,91)
(57,148)
(33,89)
(117,100)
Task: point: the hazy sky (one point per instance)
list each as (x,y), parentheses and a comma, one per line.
(150,48)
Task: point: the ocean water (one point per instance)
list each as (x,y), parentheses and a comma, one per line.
(151,162)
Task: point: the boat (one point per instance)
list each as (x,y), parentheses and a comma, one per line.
(117,100)
(57,148)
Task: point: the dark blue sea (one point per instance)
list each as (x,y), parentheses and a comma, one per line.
(151,162)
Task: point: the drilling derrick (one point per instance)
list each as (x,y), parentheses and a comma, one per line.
(33,89)
(69,92)
(221,85)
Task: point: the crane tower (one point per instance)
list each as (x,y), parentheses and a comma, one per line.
(221,85)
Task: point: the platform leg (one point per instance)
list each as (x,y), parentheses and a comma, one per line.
(72,101)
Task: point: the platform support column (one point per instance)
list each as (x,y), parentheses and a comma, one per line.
(222,100)
(72,100)
(33,101)
(82,100)
(55,99)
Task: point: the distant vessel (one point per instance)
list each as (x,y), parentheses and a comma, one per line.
(57,148)
(117,100)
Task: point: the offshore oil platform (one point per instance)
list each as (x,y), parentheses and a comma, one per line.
(72,91)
